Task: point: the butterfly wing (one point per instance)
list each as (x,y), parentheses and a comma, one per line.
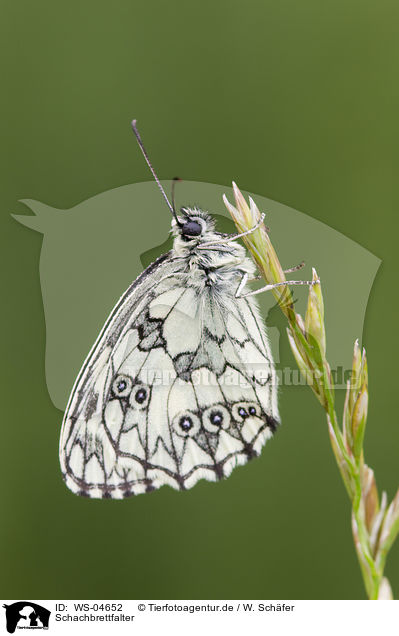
(86,454)
(179,386)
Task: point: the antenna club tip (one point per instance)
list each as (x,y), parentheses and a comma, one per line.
(134,123)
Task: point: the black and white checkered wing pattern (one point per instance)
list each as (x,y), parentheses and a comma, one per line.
(180,386)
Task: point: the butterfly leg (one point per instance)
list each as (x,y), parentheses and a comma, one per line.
(252,229)
(244,280)
(294,269)
(234,237)
(242,284)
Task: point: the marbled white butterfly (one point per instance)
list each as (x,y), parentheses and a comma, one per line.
(180,384)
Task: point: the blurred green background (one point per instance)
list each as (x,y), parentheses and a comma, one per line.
(298,101)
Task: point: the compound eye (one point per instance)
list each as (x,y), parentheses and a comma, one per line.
(215,418)
(122,385)
(192,228)
(186,424)
(139,396)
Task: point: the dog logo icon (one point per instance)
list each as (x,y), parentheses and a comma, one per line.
(26,615)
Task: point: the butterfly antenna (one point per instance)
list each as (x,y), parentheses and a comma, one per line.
(175,180)
(143,150)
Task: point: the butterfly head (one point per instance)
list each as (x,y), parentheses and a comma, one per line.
(194,225)
(196,239)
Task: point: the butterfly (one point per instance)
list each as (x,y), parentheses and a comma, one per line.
(180,384)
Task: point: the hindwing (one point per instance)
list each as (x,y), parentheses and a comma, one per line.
(179,386)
